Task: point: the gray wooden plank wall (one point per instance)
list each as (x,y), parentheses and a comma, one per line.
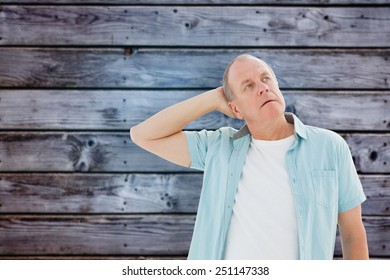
(75,75)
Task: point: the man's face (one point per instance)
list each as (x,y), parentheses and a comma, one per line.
(257,96)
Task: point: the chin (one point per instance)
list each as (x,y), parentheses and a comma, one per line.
(272,112)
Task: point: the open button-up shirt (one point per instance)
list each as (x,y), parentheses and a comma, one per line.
(322,176)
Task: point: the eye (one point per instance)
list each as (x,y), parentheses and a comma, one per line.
(266,79)
(248,86)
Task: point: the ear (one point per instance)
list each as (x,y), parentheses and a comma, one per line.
(233,107)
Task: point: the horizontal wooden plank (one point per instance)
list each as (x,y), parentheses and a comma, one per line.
(126,235)
(111,110)
(96,235)
(99,193)
(338,110)
(195,26)
(76,152)
(132,193)
(189,68)
(119,110)
(97,152)
(203,2)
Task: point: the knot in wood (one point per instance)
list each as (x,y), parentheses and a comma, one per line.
(192,24)
(86,154)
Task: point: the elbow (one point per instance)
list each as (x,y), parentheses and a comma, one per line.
(134,135)
(137,136)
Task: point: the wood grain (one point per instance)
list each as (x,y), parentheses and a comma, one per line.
(76,152)
(96,235)
(126,235)
(188,68)
(132,193)
(97,152)
(119,110)
(377,190)
(93,110)
(195,26)
(99,193)
(366,154)
(74,77)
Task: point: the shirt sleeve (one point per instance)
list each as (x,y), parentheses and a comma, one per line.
(350,188)
(197,143)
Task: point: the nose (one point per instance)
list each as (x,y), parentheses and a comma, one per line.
(262,88)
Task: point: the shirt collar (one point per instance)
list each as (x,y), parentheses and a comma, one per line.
(299,127)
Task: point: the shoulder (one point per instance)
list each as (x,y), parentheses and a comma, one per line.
(212,136)
(227,131)
(326,139)
(223,134)
(322,134)
(314,134)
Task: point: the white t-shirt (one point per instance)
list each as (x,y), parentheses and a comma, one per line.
(263,224)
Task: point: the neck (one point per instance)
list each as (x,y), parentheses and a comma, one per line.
(274,129)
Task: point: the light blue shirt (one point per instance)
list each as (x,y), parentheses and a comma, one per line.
(322,176)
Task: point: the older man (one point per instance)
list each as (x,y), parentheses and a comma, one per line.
(275,189)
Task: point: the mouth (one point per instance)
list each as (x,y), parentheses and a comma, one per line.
(266,102)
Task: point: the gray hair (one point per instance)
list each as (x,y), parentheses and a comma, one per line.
(225,82)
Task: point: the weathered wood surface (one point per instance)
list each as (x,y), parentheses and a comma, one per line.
(195,26)
(189,68)
(69,51)
(369,156)
(203,2)
(76,152)
(126,235)
(94,110)
(378,236)
(119,110)
(377,190)
(100,193)
(96,235)
(341,110)
(132,193)
(96,152)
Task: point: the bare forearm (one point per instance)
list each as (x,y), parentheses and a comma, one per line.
(353,234)
(174,118)
(355,247)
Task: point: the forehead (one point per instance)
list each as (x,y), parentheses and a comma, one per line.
(245,68)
